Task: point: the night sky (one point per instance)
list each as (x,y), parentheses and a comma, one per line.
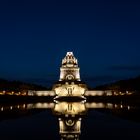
(35,35)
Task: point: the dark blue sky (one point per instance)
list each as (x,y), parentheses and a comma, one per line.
(104,36)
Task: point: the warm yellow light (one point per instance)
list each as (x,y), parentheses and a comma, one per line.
(70,107)
(128,107)
(1,108)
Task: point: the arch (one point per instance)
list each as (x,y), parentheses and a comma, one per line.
(69,77)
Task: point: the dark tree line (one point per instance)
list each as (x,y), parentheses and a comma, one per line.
(122,85)
(18,86)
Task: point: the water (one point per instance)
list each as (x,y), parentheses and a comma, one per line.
(69,120)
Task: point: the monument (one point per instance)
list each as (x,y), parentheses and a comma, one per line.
(69,84)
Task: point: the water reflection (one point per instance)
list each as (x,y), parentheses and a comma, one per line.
(69,114)
(71,107)
(40,105)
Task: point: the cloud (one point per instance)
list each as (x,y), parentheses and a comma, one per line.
(100,78)
(125,68)
(93,81)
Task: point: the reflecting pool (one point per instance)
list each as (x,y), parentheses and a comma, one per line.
(60,120)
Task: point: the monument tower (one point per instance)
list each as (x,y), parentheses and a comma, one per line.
(69,84)
(69,69)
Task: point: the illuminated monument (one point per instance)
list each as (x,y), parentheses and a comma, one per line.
(69,84)
(69,69)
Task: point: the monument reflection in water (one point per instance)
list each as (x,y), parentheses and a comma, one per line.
(69,116)
(69,87)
